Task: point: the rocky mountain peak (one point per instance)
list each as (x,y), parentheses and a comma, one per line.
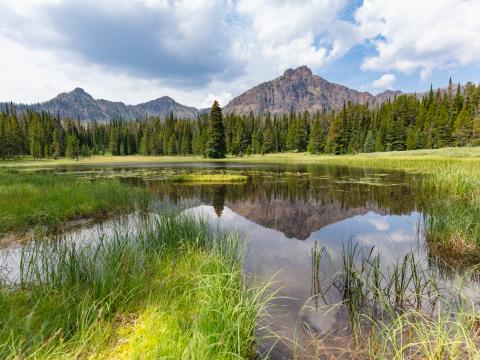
(301,71)
(299,90)
(79,91)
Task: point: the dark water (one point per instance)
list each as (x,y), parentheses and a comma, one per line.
(283,211)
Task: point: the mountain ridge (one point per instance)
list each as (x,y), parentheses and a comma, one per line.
(297,89)
(80,104)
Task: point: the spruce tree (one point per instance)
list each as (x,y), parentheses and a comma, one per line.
(56,144)
(73,147)
(316,141)
(216,146)
(463,127)
(369,145)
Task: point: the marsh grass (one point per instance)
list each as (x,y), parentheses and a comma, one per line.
(208,178)
(47,201)
(399,310)
(174,289)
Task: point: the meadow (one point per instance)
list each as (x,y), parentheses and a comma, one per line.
(46,202)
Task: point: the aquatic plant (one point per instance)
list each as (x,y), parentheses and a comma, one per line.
(173,276)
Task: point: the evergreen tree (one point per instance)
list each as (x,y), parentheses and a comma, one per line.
(369,145)
(463,128)
(73,148)
(216,146)
(316,141)
(57,152)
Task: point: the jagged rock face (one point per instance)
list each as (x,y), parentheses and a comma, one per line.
(79,104)
(300,90)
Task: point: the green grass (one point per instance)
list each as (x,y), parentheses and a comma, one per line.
(175,290)
(208,178)
(397,310)
(30,200)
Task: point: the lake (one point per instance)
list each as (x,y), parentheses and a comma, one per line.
(300,224)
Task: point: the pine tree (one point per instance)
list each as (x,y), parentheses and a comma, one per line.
(463,127)
(316,141)
(268,138)
(378,142)
(73,147)
(412,139)
(35,133)
(369,145)
(216,146)
(56,145)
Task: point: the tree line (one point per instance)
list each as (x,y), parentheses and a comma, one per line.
(438,119)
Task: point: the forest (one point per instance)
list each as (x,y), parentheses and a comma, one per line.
(440,118)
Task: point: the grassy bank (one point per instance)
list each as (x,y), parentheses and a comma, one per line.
(174,290)
(35,200)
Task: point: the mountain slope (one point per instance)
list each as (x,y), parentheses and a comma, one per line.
(300,90)
(78,103)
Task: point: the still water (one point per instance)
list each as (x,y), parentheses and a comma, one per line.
(284,212)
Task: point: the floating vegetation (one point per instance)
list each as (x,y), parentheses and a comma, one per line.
(208,178)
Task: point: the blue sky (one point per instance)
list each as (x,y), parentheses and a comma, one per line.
(200,50)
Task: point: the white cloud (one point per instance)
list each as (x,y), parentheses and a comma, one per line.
(412,35)
(286,33)
(384,82)
(34,75)
(232,44)
(223,98)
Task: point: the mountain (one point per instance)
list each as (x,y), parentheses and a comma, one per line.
(297,90)
(78,103)
(300,90)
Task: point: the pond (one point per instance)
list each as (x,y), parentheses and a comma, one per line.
(301,223)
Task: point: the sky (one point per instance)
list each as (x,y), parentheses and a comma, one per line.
(196,51)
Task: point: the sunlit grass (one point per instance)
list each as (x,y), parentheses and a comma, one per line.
(30,200)
(175,290)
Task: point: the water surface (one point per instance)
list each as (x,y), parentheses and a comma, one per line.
(283,211)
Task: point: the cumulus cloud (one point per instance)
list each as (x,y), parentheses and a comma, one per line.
(411,35)
(385,81)
(292,33)
(198,50)
(223,98)
(182,41)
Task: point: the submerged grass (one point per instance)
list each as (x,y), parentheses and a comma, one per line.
(30,200)
(398,311)
(174,289)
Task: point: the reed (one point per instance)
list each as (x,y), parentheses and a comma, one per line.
(175,277)
(400,311)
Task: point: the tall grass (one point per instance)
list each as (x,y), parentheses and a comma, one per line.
(399,310)
(48,200)
(174,289)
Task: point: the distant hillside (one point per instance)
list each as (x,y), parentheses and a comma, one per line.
(78,103)
(300,90)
